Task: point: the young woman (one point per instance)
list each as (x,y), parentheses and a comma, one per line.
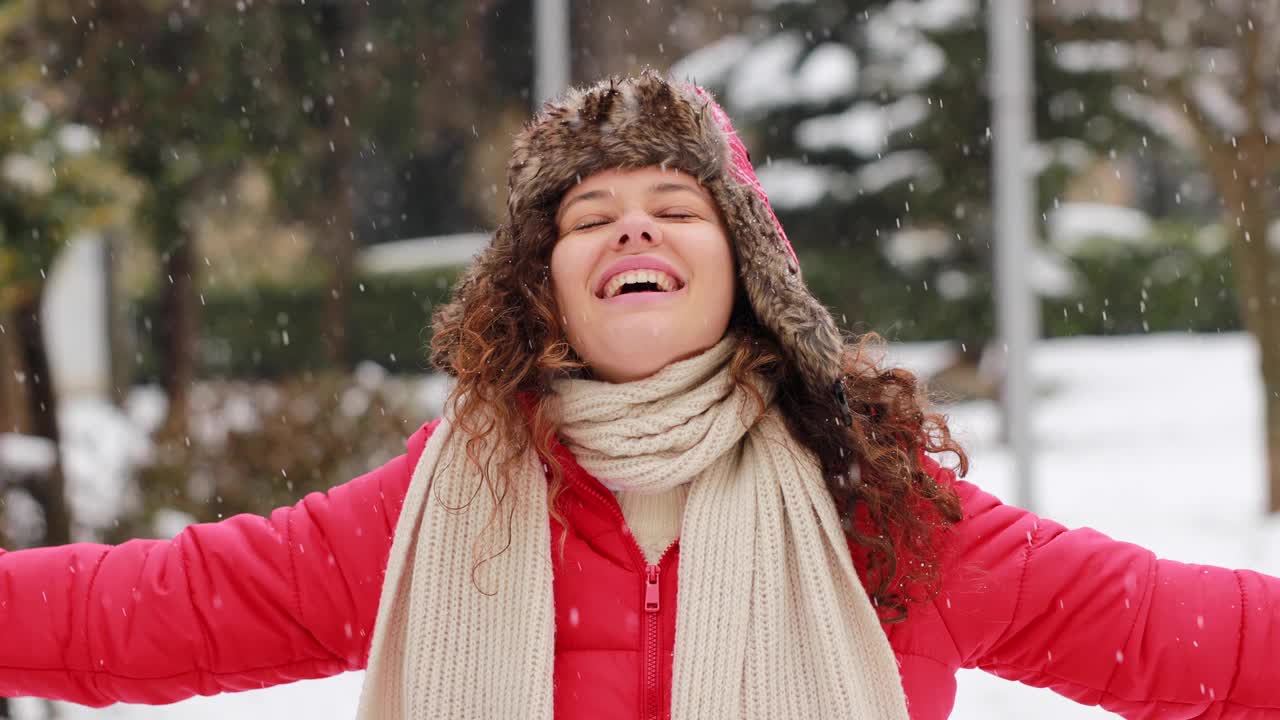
(665,486)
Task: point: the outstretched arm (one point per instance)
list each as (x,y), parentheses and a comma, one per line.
(1107,623)
(240,604)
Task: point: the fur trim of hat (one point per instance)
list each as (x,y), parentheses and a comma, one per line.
(648,120)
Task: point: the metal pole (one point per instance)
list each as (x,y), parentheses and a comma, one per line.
(550,49)
(119,356)
(1017,310)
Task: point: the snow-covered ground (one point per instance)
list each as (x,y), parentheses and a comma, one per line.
(1155,440)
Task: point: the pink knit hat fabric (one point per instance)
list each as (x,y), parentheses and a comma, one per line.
(740,163)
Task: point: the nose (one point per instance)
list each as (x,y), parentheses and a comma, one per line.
(637,228)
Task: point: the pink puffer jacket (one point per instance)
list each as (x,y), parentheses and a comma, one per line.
(250,602)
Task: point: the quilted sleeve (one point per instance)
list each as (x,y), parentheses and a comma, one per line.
(1107,623)
(240,604)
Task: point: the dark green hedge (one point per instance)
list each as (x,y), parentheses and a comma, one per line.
(276,331)
(1170,286)
(1169,290)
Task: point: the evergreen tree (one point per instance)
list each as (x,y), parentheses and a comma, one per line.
(353,94)
(165,85)
(55,181)
(349,107)
(872,120)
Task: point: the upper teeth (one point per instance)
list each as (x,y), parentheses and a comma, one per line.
(665,282)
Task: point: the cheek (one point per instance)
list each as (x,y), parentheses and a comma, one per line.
(571,259)
(722,260)
(560,270)
(567,271)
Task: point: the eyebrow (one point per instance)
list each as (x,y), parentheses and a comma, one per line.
(589,195)
(670,187)
(659,188)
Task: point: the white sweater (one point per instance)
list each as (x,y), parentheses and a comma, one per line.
(654,518)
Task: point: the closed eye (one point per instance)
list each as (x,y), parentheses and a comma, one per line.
(587,225)
(676,215)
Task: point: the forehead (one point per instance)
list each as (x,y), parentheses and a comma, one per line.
(620,181)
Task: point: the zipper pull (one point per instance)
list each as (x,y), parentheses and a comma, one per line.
(651,595)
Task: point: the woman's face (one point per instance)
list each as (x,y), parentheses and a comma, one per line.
(642,271)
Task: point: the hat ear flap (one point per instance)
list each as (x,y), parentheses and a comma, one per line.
(771,279)
(770,269)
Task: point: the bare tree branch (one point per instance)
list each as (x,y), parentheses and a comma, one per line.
(1077,28)
(1253,95)
(1218,160)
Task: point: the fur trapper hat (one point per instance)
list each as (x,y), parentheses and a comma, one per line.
(649,120)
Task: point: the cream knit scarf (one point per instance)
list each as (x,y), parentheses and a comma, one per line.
(772,620)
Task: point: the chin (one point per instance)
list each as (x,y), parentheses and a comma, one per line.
(636,361)
(636,353)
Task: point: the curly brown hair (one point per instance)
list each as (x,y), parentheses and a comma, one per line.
(502,338)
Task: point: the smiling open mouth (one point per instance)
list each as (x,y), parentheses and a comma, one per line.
(640,281)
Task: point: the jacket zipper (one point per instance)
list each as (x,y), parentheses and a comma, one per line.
(656,710)
(651,700)
(652,666)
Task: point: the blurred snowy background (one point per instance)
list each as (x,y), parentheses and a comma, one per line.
(223,228)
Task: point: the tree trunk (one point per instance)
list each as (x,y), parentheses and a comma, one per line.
(10,391)
(120,351)
(340,252)
(51,494)
(1257,274)
(8,419)
(8,422)
(1272,422)
(9,396)
(178,326)
(339,26)
(1241,169)
(655,35)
